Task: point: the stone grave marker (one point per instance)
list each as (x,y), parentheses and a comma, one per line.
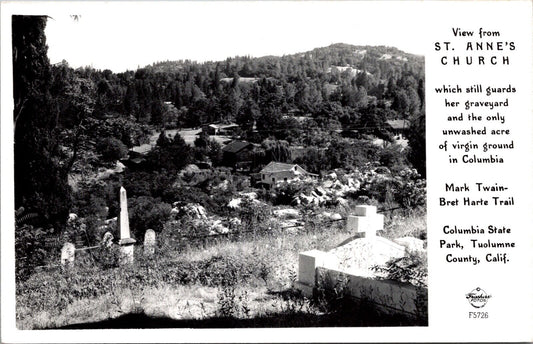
(126,242)
(68,253)
(149,242)
(366,221)
(107,239)
(357,255)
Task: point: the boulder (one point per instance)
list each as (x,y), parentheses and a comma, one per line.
(331,176)
(343,202)
(411,243)
(194,210)
(222,186)
(235,203)
(336,217)
(217,227)
(251,195)
(235,222)
(327,184)
(306,199)
(320,191)
(288,212)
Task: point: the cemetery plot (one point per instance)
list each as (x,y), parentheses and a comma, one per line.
(356,261)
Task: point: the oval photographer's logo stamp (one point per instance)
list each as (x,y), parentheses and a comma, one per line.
(478,298)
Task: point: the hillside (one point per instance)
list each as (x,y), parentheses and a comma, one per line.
(235,167)
(377,60)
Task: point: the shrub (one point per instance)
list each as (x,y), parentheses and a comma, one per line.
(253,216)
(170,154)
(406,188)
(410,189)
(231,303)
(409,269)
(285,193)
(112,149)
(29,250)
(393,157)
(147,212)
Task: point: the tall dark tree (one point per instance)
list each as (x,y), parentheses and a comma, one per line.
(40,175)
(417,142)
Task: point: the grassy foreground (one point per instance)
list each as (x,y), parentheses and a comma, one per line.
(223,283)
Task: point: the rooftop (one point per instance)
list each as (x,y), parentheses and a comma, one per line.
(223,126)
(236,146)
(274,166)
(399,123)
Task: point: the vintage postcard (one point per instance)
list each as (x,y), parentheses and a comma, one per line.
(266,171)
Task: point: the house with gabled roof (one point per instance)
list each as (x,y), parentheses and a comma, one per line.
(276,172)
(398,126)
(237,152)
(221,129)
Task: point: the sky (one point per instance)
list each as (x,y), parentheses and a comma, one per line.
(126,35)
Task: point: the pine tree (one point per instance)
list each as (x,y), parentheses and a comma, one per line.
(40,175)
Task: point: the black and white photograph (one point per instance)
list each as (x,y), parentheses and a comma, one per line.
(260,166)
(250,190)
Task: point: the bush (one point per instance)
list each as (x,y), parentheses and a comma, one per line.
(409,269)
(232,304)
(112,149)
(253,216)
(393,157)
(29,250)
(147,212)
(406,188)
(170,154)
(410,189)
(285,193)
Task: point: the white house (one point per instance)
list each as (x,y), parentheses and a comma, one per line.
(276,172)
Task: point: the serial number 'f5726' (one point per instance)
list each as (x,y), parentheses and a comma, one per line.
(478,315)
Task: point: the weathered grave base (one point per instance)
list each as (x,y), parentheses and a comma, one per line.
(388,296)
(126,251)
(318,271)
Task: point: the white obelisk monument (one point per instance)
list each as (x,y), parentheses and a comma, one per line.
(126,242)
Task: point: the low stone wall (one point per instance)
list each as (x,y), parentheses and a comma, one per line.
(389,296)
(319,271)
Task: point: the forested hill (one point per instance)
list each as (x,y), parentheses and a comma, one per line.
(73,121)
(354,77)
(381,61)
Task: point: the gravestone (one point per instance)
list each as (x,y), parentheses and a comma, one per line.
(72,217)
(366,221)
(107,239)
(149,242)
(68,253)
(357,255)
(354,261)
(126,242)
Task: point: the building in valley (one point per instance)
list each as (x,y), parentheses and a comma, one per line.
(276,172)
